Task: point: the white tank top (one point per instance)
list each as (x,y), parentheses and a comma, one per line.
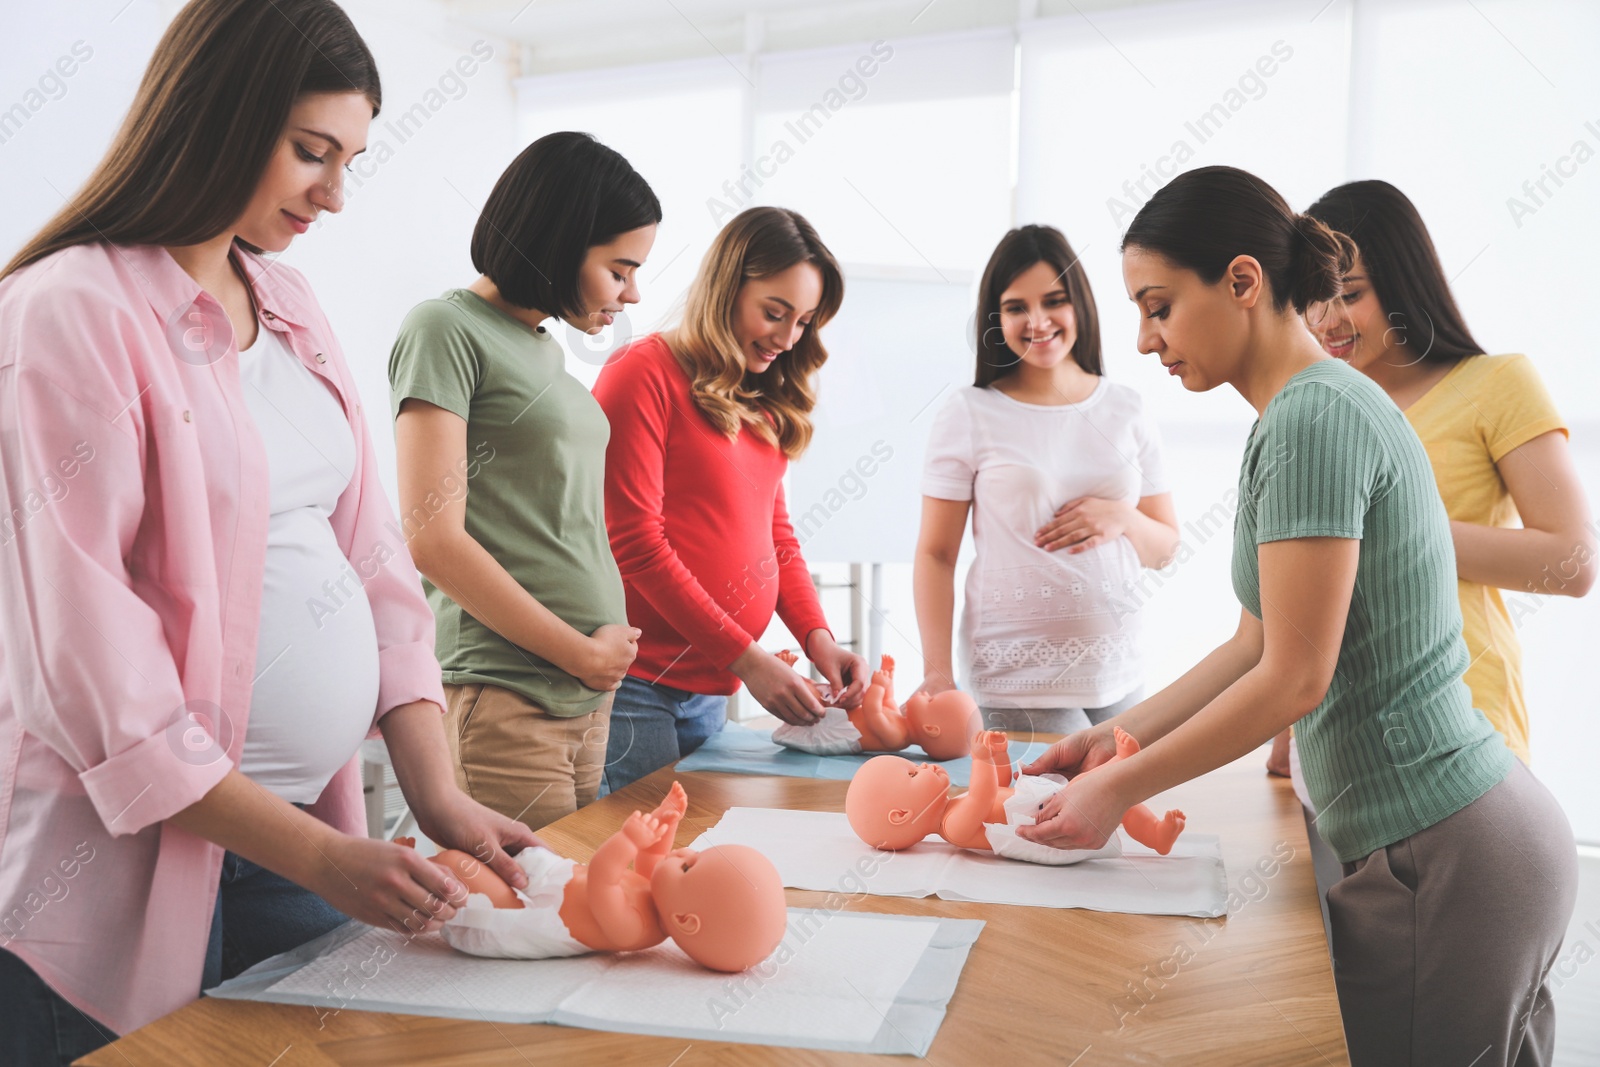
(316,685)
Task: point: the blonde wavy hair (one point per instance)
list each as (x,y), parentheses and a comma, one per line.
(774,405)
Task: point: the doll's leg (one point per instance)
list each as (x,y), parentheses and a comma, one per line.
(1159,834)
(1126,745)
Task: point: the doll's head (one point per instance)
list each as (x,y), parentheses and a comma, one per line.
(943,725)
(724,906)
(893,803)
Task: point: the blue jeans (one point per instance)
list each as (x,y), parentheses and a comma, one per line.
(654,725)
(259,914)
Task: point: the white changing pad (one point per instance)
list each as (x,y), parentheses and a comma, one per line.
(842,981)
(818,850)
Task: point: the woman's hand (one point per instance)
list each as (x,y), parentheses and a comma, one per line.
(934,683)
(1085,523)
(607,655)
(845,671)
(385,885)
(1082,814)
(1278,758)
(777,687)
(1077,753)
(455,820)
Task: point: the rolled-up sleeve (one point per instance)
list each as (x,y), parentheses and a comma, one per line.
(88,661)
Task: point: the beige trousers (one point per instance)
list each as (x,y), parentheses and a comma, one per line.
(516,758)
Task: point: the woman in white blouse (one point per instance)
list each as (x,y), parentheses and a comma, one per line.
(1061,470)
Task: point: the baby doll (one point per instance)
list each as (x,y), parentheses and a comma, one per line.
(942,725)
(893,803)
(724,906)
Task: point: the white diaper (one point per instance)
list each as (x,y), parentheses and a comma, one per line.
(1024,804)
(533,932)
(831,735)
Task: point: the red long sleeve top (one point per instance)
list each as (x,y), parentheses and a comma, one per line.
(698,526)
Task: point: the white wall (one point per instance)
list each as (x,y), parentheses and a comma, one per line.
(411,202)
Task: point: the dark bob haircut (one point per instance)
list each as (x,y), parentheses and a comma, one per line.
(563,195)
(1017,251)
(1402,267)
(1203,219)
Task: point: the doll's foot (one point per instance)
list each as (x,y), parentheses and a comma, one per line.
(1126,745)
(674,804)
(1166,832)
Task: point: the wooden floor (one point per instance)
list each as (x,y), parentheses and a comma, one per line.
(1576,978)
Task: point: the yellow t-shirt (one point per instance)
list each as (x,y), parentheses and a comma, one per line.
(1486,407)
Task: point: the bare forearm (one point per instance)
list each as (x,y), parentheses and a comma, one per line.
(261,826)
(414,736)
(1527,560)
(1155,541)
(1246,715)
(465,572)
(933,583)
(1168,709)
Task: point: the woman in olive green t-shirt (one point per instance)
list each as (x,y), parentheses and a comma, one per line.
(502,474)
(1351,631)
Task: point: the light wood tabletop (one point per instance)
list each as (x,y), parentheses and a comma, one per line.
(1041,986)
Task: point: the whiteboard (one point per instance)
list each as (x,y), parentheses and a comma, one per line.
(900,345)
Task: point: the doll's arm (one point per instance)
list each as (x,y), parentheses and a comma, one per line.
(964,818)
(670,811)
(620,921)
(882,719)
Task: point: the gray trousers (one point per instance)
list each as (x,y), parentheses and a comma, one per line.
(1054,720)
(1443,941)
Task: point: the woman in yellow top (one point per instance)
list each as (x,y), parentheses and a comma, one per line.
(1496,442)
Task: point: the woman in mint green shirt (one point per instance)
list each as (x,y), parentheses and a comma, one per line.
(1460,868)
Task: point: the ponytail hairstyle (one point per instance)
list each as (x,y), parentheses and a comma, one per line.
(1016,253)
(1402,267)
(775,405)
(207,117)
(1204,218)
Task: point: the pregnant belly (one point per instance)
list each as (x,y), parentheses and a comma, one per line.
(316,686)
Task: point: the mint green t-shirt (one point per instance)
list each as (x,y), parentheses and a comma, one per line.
(534,483)
(1396,744)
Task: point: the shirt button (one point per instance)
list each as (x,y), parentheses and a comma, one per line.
(320,359)
(269,316)
(186,417)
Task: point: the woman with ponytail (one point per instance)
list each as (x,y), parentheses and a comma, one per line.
(186,473)
(1460,870)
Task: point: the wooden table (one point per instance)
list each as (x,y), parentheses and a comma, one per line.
(1042,985)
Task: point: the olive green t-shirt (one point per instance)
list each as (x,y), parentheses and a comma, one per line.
(534,484)
(1396,744)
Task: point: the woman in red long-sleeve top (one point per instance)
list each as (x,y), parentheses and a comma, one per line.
(704,420)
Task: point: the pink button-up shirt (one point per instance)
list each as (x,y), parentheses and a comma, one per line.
(132,547)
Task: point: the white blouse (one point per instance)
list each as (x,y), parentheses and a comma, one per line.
(316,687)
(1045,629)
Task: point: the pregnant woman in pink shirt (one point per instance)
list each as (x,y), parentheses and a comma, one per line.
(204,607)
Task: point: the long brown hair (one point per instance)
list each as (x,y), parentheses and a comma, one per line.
(1402,267)
(775,405)
(207,117)
(1016,253)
